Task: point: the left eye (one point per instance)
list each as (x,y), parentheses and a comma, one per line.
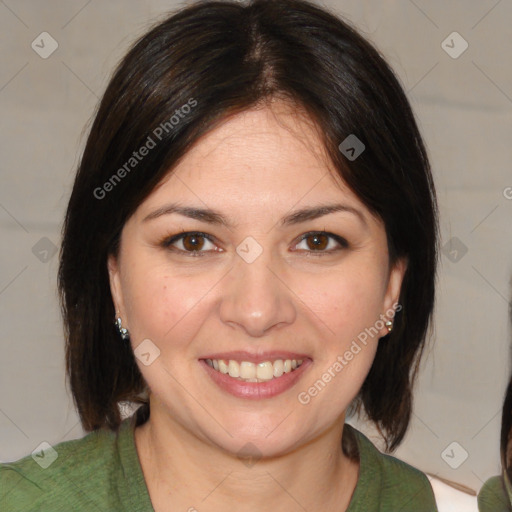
(320,241)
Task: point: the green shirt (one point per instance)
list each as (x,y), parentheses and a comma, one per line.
(102,472)
(495,495)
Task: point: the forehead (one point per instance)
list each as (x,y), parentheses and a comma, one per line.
(274,137)
(266,158)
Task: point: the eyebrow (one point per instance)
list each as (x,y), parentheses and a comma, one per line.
(216,218)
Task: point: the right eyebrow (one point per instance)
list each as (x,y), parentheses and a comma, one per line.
(203,214)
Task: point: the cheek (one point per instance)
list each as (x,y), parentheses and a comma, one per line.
(160,305)
(346,302)
(345,306)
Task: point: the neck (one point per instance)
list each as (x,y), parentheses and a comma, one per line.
(183,472)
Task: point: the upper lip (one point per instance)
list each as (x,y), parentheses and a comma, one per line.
(260,357)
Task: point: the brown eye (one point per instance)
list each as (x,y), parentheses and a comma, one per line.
(193,242)
(321,242)
(317,242)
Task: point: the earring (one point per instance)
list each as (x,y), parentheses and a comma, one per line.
(389,325)
(122,330)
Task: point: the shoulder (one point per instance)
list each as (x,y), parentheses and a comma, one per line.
(493,496)
(69,474)
(395,484)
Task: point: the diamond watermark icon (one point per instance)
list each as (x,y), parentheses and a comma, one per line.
(146,352)
(454,249)
(45,455)
(249,249)
(454,45)
(44,45)
(249,454)
(351,147)
(44,249)
(454,455)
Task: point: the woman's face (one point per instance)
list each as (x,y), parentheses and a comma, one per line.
(281,264)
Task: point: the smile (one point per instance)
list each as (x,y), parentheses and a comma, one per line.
(254,372)
(255,376)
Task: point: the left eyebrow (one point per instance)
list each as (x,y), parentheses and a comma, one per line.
(294,218)
(319,211)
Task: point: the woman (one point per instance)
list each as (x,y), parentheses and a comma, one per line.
(255,213)
(496,494)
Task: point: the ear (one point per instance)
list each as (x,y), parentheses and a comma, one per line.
(396,277)
(115,285)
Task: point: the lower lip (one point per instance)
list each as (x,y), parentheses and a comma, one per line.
(256,390)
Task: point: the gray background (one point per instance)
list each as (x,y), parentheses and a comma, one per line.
(464,109)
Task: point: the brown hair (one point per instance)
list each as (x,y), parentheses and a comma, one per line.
(506,433)
(227,57)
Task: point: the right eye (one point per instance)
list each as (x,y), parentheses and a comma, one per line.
(191,243)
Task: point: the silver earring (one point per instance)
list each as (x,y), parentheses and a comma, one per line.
(389,325)
(122,330)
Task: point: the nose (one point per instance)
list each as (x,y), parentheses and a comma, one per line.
(256,298)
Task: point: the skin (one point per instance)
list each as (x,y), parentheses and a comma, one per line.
(254,168)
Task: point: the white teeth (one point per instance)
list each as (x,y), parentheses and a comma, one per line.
(278,368)
(223,367)
(234,369)
(265,371)
(251,372)
(247,370)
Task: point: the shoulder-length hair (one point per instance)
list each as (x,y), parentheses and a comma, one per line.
(221,58)
(506,433)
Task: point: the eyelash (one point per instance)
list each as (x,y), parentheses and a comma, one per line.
(168,241)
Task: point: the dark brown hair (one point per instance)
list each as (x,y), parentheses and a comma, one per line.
(506,433)
(506,430)
(225,57)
